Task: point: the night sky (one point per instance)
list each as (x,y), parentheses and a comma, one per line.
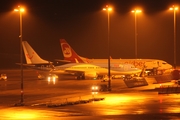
(83,24)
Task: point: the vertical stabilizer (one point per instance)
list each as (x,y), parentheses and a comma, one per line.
(31,56)
(69,54)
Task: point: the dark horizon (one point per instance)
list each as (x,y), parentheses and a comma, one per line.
(84,26)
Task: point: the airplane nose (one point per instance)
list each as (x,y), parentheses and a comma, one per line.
(170,66)
(166,66)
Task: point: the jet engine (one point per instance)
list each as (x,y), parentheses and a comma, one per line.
(90,75)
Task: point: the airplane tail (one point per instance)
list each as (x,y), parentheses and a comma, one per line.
(69,54)
(31,56)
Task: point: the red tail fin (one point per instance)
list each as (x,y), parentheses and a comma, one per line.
(68,53)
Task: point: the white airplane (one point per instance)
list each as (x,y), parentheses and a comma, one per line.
(81,70)
(152,66)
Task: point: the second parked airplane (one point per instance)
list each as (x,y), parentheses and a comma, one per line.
(152,66)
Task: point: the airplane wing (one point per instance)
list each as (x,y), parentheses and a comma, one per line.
(67,61)
(92,70)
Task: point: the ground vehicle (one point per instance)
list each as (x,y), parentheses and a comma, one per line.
(3,77)
(51,77)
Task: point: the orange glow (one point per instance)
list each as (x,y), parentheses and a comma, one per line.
(136,11)
(19,9)
(107,8)
(22,9)
(173,8)
(16,10)
(115,100)
(21,114)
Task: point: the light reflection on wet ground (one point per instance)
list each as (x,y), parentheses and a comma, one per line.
(122,102)
(134,105)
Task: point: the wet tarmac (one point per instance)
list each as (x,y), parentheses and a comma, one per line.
(45,100)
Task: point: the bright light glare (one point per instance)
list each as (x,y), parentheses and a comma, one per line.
(19,9)
(22,9)
(107,8)
(54,80)
(95,87)
(22,114)
(104,8)
(136,11)
(173,8)
(16,10)
(94,93)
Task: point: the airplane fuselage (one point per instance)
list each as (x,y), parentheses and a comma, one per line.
(139,63)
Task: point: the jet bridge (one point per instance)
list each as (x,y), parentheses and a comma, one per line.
(135,82)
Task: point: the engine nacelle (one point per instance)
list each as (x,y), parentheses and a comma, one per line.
(90,75)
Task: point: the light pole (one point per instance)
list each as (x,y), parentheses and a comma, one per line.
(136,33)
(108,9)
(174,9)
(21,10)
